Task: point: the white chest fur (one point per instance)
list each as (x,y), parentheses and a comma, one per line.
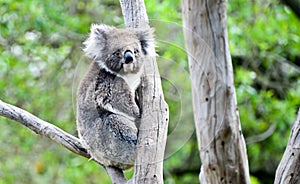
(133,80)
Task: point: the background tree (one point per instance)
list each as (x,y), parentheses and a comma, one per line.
(41,62)
(221,143)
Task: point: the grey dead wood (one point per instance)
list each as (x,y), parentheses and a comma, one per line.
(43,128)
(289,166)
(220,139)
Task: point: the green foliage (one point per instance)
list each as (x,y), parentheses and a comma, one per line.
(41,63)
(265,41)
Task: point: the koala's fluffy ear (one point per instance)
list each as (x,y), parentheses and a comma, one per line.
(96,41)
(147,41)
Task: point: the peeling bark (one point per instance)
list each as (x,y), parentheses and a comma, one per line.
(289,166)
(221,143)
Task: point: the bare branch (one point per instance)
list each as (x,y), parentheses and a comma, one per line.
(43,128)
(56,134)
(263,136)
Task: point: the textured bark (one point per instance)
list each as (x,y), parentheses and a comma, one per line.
(155,116)
(221,143)
(289,167)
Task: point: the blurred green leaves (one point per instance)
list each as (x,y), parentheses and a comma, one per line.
(264,39)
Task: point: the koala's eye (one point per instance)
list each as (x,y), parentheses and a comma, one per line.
(136,51)
(118,53)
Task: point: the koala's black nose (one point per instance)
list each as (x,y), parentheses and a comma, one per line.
(128,56)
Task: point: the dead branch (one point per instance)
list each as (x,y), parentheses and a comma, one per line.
(43,128)
(54,133)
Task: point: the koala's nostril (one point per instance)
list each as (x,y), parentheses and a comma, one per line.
(128,56)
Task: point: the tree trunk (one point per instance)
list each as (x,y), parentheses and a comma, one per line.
(220,140)
(153,129)
(289,167)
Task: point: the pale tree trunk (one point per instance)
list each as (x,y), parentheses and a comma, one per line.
(221,143)
(289,167)
(155,116)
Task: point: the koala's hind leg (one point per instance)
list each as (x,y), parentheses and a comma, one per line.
(120,135)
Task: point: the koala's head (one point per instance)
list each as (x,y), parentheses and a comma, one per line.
(119,50)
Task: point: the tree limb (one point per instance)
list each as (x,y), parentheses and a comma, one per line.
(56,134)
(43,128)
(262,136)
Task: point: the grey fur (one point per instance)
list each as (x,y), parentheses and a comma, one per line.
(107,114)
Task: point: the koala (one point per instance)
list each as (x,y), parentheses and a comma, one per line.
(108,115)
